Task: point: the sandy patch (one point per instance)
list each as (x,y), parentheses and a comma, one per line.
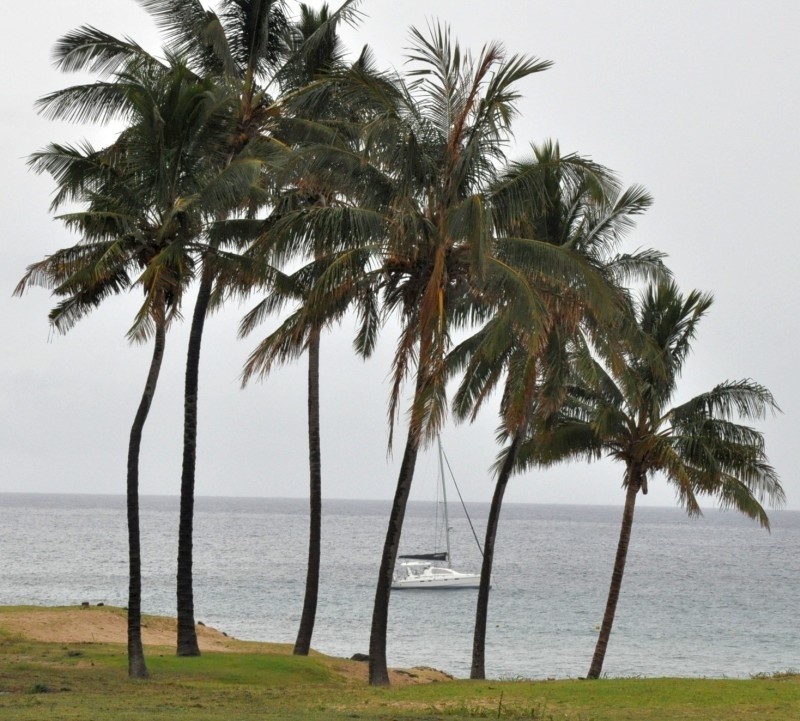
(106,624)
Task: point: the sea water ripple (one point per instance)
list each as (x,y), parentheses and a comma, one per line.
(714,596)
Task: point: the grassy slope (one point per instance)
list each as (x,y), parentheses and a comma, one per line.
(88,681)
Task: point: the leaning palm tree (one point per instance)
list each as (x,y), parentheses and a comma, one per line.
(145,198)
(524,346)
(697,445)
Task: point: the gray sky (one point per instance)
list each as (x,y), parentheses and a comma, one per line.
(697,101)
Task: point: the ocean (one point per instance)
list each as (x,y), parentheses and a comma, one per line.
(702,597)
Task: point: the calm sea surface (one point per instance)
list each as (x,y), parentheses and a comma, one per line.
(714,596)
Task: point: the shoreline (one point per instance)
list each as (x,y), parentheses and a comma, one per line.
(101,624)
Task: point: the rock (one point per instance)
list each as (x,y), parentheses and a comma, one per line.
(101,604)
(359,657)
(84,604)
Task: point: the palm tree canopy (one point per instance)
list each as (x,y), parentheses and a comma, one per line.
(146,197)
(435,142)
(699,446)
(574,220)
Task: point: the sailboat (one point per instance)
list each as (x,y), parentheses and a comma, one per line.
(432,570)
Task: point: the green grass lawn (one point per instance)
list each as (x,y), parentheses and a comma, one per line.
(82,681)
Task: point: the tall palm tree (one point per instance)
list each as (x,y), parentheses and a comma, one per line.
(697,445)
(579,211)
(298,332)
(245,46)
(438,144)
(144,199)
(249,44)
(241,45)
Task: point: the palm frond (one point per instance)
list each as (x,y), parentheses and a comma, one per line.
(92,50)
(744,398)
(99,102)
(185,27)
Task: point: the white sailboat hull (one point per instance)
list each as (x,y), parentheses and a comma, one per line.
(427,576)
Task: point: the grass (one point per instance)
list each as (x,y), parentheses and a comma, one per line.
(83,681)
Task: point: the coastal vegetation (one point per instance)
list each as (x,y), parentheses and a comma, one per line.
(255,160)
(525,350)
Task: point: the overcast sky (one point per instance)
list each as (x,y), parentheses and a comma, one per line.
(698,101)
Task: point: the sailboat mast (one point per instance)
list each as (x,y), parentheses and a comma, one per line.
(444,498)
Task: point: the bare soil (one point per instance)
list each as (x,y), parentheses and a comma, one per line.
(92,624)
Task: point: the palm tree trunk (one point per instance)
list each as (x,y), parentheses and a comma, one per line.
(136,662)
(187,634)
(478,670)
(303,643)
(378,669)
(634,482)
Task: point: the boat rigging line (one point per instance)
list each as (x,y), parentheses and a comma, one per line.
(460,498)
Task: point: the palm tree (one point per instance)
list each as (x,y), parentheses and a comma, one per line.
(241,45)
(244,46)
(145,196)
(249,44)
(579,211)
(298,332)
(438,144)
(697,445)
